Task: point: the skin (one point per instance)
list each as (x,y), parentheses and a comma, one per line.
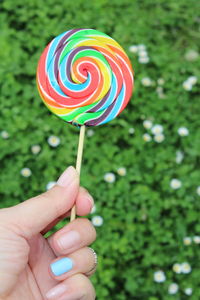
(25,255)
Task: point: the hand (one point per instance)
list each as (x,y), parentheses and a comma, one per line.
(35,268)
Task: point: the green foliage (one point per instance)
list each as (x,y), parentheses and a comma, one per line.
(145,220)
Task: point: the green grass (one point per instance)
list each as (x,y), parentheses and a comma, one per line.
(145,220)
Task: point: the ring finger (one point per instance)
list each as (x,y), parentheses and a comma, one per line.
(74,236)
(82,261)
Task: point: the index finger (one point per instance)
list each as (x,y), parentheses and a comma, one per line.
(84,203)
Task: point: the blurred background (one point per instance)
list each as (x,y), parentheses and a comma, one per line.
(143,167)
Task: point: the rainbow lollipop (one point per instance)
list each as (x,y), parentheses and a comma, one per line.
(85,78)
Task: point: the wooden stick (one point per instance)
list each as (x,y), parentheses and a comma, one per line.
(78,164)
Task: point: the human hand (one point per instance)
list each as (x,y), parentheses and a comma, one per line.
(57,268)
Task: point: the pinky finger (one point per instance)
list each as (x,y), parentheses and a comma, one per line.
(74,288)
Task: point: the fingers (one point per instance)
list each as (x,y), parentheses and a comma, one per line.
(81,261)
(74,288)
(84,204)
(75,235)
(33,215)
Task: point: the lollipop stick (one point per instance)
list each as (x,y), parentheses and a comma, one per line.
(78,164)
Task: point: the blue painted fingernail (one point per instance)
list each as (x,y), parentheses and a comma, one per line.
(61,266)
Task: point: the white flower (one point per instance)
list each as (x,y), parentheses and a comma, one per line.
(147,124)
(159,276)
(187,241)
(90,132)
(143,53)
(188,291)
(147,137)
(183,131)
(121,171)
(157,129)
(191,55)
(131,130)
(4,134)
(196,239)
(186,268)
(175,184)
(177,268)
(173,288)
(50,184)
(162,96)
(159,138)
(53,141)
(198,190)
(159,90)
(35,149)
(143,60)
(192,80)
(187,85)
(160,81)
(97,221)
(25,172)
(179,156)
(141,47)
(133,49)
(93,210)
(109,177)
(146,81)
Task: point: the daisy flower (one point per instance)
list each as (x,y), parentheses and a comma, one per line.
(146,81)
(175,184)
(157,129)
(159,276)
(97,221)
(187,241)
(147,137)
(173,288)
(159,138)
(147,124)
(109,177)
(35,149)
(26,172)
(183,131)
(188,291)
(4,134)
(121,171)
(53,141)
(50,184)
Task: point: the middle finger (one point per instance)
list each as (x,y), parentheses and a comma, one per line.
(77,234)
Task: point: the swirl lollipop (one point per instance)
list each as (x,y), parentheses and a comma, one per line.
(85,78)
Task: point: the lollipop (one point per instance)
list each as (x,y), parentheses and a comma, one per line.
(85,78)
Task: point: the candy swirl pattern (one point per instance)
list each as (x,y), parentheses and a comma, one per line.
(85,77)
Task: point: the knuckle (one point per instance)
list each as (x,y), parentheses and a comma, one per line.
(85,287)
(55,195)
(87,225)
(88,291)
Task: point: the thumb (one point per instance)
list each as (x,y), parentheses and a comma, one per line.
(33,215)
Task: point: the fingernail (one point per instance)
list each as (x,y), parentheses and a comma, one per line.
(67,177)
(68,240)
(57,291)
(90,200)
(61,266)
